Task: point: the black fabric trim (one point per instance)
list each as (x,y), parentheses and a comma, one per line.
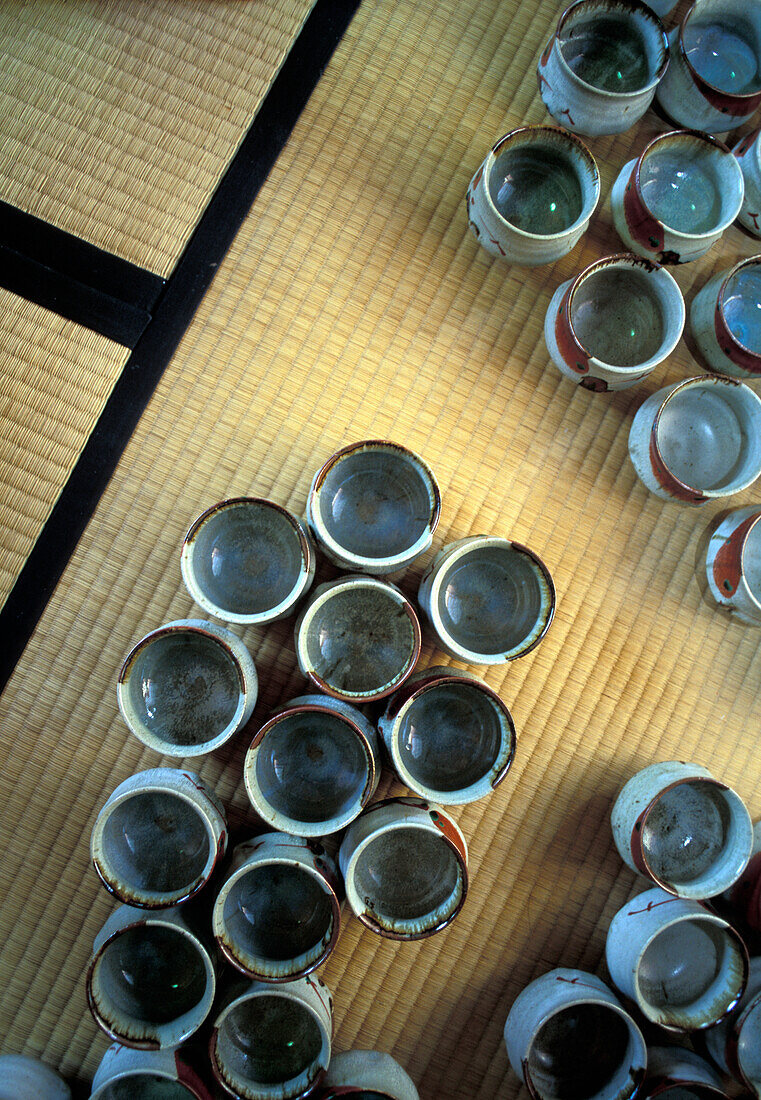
(171,315)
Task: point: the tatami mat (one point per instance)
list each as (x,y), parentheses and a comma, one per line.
(353,304)
(119,118)
(56,377)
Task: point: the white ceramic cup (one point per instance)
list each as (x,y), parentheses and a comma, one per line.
(24,1078)
(313,766)
(684,967)
(359,1073)
(151,981)
(725,319)
(675,1073)
(357,639)
(247,560)
(676,825)
(488,599)
(533,195)
(124,1072)
(735,1043)
(748,153)
(566,1025)
(273,1042)
(277,914)
(698,440)
(673,202)
(187,687)
(405,868)
(599,71)
(611,325)
(374,506)
(712,83)
(733,564)
(158,838)
(450,737)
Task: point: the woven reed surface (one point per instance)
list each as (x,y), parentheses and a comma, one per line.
(355,304)
(56,377)
(119,118)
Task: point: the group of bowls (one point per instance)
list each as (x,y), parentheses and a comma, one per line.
(310,772)
(679,965)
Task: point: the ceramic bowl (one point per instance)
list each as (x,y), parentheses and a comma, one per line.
(567,1026)
(273,1043)
(685,968)
(405,866)
(187,687)
(374,507)
(450,737)
(611,325)
(674,201)
(735,1043)
(357,639)
(367,1075)
(698,440)
(278,912)
(532,197)
(733,564)
(675,1073)
(24,1078)
(725,319)
(158,838)
(247,560)
(599,71)
(748,153)
(313,766)
(712,82)
(681,828)
(151,981)
(127,1074)
(489,600)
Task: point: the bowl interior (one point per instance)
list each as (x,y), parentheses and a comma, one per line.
(144,1086)
(406,875)
(183,688)
(741,304)
(491,600)
(541,185)
(375,503)
(722,40)
(691,972)
(581,1051)
(709,436)
(618,315)
(277,911)
(151,974)
(685,832)
(749,1045)
(689,185)
(450,737)
(156,842)
(311,766)
(360,640)
(246,558)
(268,1040)
(612,48)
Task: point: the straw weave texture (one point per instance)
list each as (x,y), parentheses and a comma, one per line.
(355,304)
(56,377)
(119,118)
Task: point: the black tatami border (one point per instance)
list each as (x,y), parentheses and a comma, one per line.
(167,315)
